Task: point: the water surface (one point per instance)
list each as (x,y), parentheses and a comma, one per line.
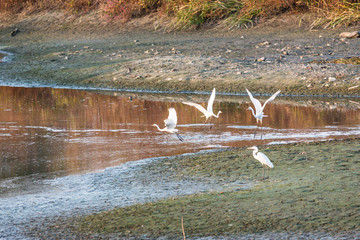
(63,131)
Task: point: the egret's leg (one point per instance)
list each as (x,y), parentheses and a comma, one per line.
(205,124)
(267,171)
(261,132)
(210,123)
(256,129)
(179,137)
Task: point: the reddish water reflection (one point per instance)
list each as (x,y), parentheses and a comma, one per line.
(45,130)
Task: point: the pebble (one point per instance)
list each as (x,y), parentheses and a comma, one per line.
(353,87)
(354,34)
(262,59)
(331,79)
(264,43)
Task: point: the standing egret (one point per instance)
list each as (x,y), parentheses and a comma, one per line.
(263,159)
(170,124)
(259,110)
(208,113)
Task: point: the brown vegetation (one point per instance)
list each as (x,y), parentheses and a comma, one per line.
(192,13)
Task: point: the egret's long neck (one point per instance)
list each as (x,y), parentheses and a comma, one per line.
(159,128)
(255,153)
(252,110)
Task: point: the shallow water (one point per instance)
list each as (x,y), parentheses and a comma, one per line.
(63,131)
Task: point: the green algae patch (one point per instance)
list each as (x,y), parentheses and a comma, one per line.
(313,187)
(2,55)
(346,60)
(352,60)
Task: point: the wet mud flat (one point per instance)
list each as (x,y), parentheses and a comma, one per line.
(312,192)
(297,61)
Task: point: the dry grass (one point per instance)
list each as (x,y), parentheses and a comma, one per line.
(341,13)
(192,13)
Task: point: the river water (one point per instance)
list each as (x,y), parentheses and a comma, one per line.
(60,148)
(64,131)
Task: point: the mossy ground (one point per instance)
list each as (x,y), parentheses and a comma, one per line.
(314,187)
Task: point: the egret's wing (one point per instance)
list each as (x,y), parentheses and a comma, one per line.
(211,101)
(256,102)
(271,98)
(264,159)
(198,106)
(172,119)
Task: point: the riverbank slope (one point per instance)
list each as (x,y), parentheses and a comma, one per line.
(56,49)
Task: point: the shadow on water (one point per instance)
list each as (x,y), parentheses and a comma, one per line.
(63,131)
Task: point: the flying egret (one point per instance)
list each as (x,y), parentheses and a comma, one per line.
(208,113)
(170,124)
(259,110)
(263,159)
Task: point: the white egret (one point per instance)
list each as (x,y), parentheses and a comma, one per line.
(208,113)
(263,159)
(259,110)
(170,124)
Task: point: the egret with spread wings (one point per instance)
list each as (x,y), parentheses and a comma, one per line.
(259,109)
(170,124)
(208,113)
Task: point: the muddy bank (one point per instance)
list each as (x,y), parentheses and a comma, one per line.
(311,193)
(264,58)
